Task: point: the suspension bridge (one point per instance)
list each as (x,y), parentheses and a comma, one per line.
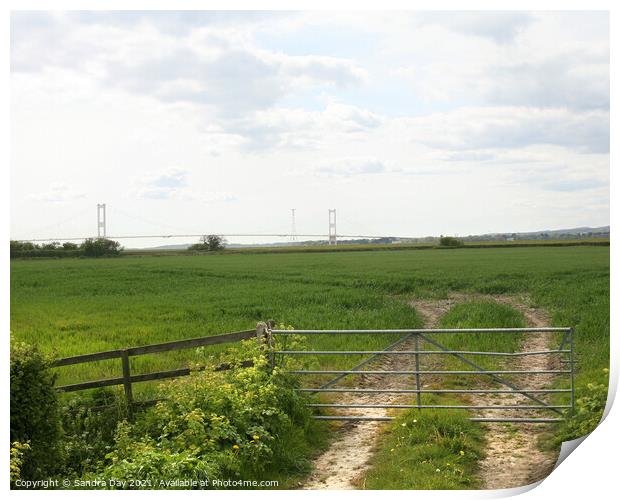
(331,236)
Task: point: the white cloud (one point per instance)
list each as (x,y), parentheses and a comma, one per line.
(352,166)
(506,110)
(216,197)
(300,129)
(58,192)
(215,67)
(577,79)
(511,127)
(165,184)
(173,177)
(477,156)
(500,26)
(173,184)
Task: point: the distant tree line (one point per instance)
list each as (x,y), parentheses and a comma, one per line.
(91,247)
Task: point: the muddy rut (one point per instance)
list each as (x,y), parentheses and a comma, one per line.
(512,459)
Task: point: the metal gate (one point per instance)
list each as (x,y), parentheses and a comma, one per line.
(428,338)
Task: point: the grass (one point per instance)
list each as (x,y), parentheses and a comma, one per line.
(432,450)
(440,449)
(482,314)
(479,314)
(76,306)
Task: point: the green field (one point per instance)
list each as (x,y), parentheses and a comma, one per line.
(76,306)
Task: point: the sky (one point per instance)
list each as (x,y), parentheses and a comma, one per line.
(407,123)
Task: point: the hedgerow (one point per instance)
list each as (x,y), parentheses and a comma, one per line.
(35,416)
(91,247)
(243,423)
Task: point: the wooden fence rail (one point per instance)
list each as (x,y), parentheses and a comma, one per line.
(125,354)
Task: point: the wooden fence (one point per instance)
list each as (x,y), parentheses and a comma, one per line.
(124,354)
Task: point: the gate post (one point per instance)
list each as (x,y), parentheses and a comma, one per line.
(127,381)
(261,328)
(417,369)
(264,338)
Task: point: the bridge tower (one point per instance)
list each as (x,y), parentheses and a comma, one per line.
(101,229)
(293,228)
(333,240)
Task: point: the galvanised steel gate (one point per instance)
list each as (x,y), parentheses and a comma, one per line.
(564,352)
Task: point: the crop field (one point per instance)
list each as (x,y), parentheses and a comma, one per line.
(77,306)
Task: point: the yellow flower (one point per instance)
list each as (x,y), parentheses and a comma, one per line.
(235,446)
(392,450)
(255,437)
(462,452)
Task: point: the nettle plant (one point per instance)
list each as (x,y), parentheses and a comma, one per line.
(235,423)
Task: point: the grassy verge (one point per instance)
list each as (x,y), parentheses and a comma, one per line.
(431,450)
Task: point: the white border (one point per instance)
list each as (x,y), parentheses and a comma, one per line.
(589,473)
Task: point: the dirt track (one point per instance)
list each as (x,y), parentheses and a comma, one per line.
(512,459)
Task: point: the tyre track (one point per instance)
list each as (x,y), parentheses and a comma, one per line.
(344,463)
(512,458)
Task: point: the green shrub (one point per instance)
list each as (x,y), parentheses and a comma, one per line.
(243,423)
(211,243)
(590,401)
(35,417)
(449,241)
(92,247)
(98,247)
(89,423)
(18,450)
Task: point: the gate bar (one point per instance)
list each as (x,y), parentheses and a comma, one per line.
(365,362)
(442,407)
(441,391)
(494,377)
(425,330)
(518,420)
(389,353)
(473,419)
(423,372)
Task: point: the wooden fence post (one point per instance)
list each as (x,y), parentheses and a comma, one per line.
(127,381)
